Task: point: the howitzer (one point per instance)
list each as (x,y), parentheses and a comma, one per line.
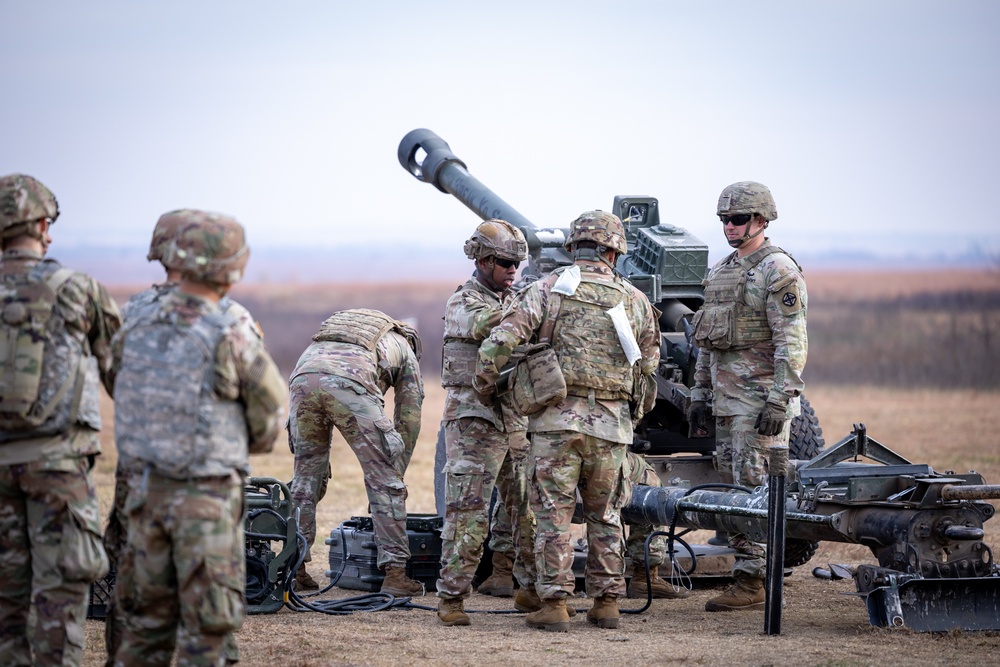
(667,263)
(925,529)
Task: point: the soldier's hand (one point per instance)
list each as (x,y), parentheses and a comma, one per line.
(486,398)
(698,416)
(771,419)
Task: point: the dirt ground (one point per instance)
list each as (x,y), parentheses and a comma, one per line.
(824,622)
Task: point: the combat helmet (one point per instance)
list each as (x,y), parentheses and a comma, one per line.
(211,248)
(747,197)
(24,199)
(497,238)
(165,230)
(604,229)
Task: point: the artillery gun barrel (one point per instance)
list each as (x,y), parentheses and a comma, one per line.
(445,171)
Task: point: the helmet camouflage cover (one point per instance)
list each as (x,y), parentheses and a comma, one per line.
(24,199)
(747,197)
(497,238)
(210,248)
(604,229)
(165,230)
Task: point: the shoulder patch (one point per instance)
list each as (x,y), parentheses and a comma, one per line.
(788,295)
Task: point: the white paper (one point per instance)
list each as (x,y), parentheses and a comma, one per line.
(568,281)
(625,336)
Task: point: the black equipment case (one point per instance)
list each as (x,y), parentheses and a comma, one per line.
(354,556)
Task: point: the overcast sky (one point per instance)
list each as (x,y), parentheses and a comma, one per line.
(876,124)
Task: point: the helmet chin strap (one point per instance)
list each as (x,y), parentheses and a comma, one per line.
(488,279)
(747,236)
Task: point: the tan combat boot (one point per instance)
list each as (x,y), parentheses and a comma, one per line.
(527,599)
(397,583)
(552,616)
(746,593)
(303,580)
(662,589)
(501,583)
(604,613)
(452,612)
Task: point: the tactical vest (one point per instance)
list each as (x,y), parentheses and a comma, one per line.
(365,328)
(458,363)
(590,354)
(725,321)
(167,414)
(48,377)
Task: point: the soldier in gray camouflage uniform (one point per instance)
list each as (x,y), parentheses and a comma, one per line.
(752,333)
(56,327)
(116,531)
(338,382)
(195,393)
(608,346)
(485,445)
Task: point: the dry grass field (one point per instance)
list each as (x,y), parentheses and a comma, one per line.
(954,428)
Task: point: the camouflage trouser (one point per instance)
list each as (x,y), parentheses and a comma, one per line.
(50,552)
(640,472)
(182,575)
(479,457)
(559,463)
(320,403)
(741,457)
(501,531)
(115,541)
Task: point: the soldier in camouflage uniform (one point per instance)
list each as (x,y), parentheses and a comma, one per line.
(195,393)
(339,382)
(56,327)
(608,346)
(752,333)
(116,531)
(485,445)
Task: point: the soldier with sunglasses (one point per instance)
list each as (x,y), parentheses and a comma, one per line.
(485,445)
(752,334)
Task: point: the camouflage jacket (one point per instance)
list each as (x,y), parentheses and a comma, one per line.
(606,419)
(90,317)
(244,371)
(150,297)
(471,313)
(394,364)
(740,381)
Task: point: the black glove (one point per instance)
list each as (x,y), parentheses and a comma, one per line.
(771,419)
(698,415)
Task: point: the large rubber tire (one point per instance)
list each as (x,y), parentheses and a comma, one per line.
(804,442)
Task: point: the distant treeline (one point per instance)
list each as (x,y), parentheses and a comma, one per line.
(940,339)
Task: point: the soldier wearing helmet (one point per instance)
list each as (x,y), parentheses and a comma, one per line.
(195,394)
(116,530)
(485,445)
(56,327)
(605,336)
(752,335)
(338,384)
